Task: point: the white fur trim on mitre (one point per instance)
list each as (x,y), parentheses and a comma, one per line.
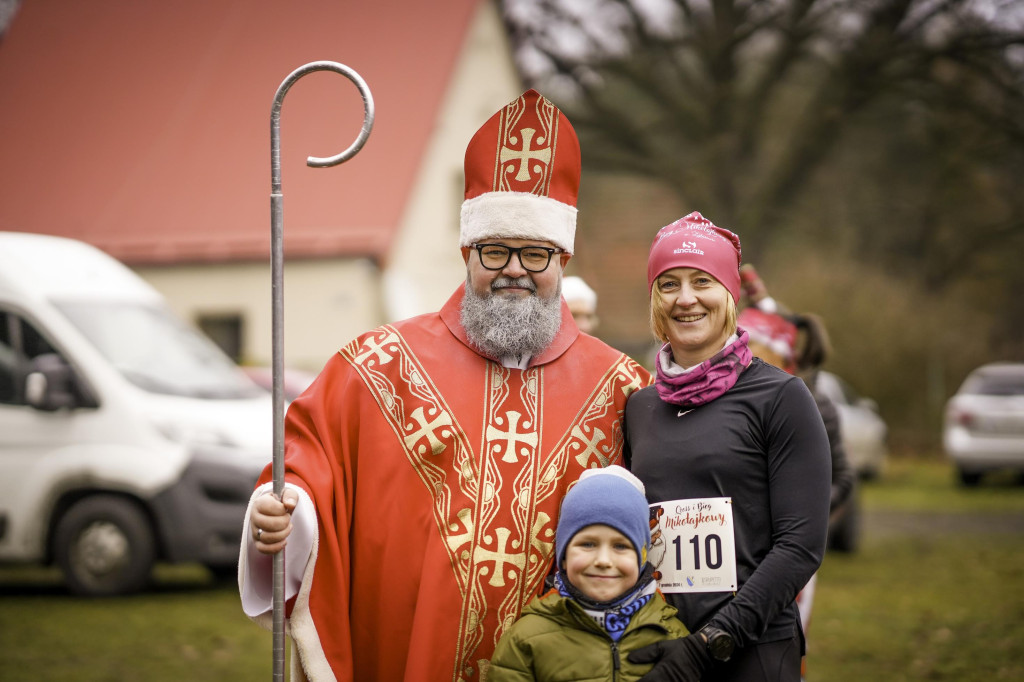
(517,215)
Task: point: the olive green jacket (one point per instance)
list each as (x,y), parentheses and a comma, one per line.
(556,641)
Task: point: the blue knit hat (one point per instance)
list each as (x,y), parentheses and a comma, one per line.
(610,496)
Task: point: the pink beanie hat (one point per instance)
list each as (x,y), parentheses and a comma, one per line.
(694,241)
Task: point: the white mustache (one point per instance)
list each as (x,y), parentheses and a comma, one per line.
(504,282)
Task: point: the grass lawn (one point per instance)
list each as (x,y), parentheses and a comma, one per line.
(935,606)
(930,608)
(189,627)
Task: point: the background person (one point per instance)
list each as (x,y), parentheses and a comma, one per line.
(582,302)
(798,343)
(426,463)
(723,430)
(605,602)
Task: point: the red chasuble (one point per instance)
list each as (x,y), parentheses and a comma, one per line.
(437,475)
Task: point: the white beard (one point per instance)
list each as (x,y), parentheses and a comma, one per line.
(502,326)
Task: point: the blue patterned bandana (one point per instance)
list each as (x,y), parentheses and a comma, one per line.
(613,616)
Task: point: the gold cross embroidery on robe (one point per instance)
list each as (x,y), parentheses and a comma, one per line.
(496,513)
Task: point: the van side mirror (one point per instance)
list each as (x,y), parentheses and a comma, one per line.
(49,383)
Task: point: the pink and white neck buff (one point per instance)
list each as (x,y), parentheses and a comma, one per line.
(708,380)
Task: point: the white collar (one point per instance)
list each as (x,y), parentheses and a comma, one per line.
(670,367)
(516,361)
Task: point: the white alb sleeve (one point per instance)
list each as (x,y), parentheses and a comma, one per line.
(256,570)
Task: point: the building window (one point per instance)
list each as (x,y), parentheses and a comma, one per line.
(225,329)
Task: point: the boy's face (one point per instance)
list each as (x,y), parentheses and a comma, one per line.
(601,562)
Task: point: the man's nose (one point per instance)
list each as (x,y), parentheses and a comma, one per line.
(514,268)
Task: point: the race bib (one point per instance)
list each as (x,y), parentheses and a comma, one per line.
(693,545)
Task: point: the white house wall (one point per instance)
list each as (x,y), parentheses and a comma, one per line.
(425,265)
(327,303)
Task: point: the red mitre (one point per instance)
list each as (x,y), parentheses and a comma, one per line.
(522,175)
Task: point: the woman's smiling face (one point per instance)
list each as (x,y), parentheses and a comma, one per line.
(695,306)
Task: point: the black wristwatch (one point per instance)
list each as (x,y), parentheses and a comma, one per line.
(719,643)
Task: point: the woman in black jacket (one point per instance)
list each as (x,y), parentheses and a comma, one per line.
(735,458)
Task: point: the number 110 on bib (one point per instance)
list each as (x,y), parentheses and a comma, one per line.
(693,545)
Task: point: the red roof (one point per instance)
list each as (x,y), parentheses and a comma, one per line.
(144,127)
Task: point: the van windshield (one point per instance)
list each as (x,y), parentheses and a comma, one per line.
(158,352)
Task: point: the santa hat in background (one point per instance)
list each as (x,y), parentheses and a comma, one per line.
(693,241)
(522,176)
(575,289)
(773,333)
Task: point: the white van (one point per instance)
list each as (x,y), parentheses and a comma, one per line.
(126,436)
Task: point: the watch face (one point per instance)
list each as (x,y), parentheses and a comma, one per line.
(720,645)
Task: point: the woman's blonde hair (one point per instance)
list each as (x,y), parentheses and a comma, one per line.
(659,314)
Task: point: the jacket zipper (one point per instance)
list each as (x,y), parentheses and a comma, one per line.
(615,660)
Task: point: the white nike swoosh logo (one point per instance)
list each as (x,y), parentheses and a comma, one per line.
(682,412)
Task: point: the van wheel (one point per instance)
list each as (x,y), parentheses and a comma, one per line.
(224,573)
(969,479)
(105,546)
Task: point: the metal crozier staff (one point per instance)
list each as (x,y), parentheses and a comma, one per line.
(277,303)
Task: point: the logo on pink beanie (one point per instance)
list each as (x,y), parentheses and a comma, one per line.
(693,241)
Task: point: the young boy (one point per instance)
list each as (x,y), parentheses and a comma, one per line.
(605,603)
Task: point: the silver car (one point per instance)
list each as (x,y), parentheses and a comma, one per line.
(864,432)
(984,422)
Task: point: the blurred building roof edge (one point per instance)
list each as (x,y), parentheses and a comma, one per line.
(142,128)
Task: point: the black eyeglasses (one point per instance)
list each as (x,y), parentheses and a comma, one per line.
(532,258)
